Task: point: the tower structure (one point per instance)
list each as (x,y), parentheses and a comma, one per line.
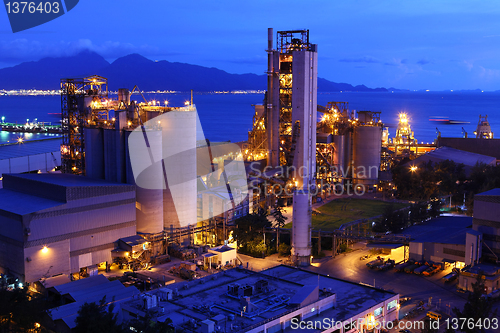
(483,130)
(291,121)
(81,103)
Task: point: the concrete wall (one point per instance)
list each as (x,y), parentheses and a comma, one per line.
(76,234)
(437,252)
(46,263)
(44,162)
(487,221)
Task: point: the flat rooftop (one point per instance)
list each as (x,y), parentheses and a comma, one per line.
(63,179)
(208,298)
(444,230)
(352,298)
(61,187)
(30,148)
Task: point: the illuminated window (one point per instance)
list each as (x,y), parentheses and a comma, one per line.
(392,305)
(378,312)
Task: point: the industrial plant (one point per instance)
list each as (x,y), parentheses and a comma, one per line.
(139,183)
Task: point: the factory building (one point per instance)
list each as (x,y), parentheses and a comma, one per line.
(60,224)
(303,158)
(42,156)
(280,299)
(442,240)
(468,159)
(483,143)
(486,245)
(487,222)
(159,149)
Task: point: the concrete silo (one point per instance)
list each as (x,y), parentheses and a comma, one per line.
(179,162)
(301,229)
(367,145)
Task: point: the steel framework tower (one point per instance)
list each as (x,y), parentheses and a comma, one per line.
(80,100)
(291,118)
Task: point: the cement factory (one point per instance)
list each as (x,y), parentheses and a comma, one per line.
(140,182)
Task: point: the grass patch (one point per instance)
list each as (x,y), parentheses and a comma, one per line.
(332,215)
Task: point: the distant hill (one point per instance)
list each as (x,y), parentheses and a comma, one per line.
(135,69)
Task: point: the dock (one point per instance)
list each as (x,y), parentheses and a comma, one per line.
(39,127)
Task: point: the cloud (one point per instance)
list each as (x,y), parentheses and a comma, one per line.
(365,59)
(423,62)
(489,74)
(20,50)
(396,62)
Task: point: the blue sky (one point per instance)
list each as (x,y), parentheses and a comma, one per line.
(436,45)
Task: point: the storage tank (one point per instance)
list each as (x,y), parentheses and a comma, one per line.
(301,228)
(148,178)
(366,154)
(179,155)
(342,155)
(124,96)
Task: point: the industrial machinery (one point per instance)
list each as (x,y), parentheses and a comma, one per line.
(82,102)
(483,130)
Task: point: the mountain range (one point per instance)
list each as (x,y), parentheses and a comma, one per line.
(134,69)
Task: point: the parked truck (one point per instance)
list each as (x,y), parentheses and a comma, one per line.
(377,262)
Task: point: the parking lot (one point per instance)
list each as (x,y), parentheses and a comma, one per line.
(444,296)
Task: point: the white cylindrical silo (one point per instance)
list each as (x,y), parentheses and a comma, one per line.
(301,228)
(366,154)
(149,196)
(179,157)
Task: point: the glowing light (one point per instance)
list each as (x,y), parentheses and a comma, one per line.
(129,123)
(413,168)
(186,103)
(20,140)
(45,249)
(113,119)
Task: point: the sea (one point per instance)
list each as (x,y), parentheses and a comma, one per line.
(228,116)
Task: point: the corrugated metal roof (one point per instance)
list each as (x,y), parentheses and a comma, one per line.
(66,180)
(22,204)
(495,191)
(30,148)
(81,284)
(458,156)
(443,230)
(133,240)
(96,290)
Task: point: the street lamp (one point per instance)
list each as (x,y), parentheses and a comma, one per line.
(413,168)
(3,119)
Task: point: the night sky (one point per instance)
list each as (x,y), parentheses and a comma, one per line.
(436,45)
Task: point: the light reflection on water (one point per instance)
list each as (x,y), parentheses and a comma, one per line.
(12,137)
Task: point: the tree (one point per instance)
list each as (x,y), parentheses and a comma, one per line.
(20,310)
(148,325)
(418,212)
(248,232)
(95,318)
(280,221)
(391,220)
(477,307)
